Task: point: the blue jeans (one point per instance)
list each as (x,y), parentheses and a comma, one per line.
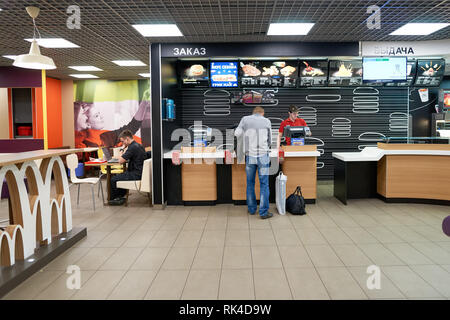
(261,164)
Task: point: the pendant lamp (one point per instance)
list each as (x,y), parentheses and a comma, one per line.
(34,59)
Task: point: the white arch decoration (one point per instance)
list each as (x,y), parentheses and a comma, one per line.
(37,215)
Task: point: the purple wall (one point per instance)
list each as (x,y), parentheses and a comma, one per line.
(13,77)
(20,145)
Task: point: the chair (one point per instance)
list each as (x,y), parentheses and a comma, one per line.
(72,163)
(142,185)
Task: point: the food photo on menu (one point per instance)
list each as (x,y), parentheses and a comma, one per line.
(313,72)
(345,72)
(224,74)
(269,73)
(194,74)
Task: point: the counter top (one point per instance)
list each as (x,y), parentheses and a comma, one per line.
(221,154)
(12,158)
(375,154)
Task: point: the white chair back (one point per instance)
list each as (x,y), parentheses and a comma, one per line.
(72,164)
(146,172)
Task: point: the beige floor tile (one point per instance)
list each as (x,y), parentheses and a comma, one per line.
(311,236)
(411,285)
(150,258)
(360,235)
(262,237)
(444,245)
(99,286)
(236,284)
(383,234)
(92,238)
(164,238)
(302,222)
(323,221)
(152,223)
(188,238)
(133,286)
(195,223)
(323,256)
(208,258)
(255,222)
(436,276)
(407,234)
(168,284)
(95,258)
(266,257)
(431,233)
(364,220)
(58,289)
(70,257)
(380,255)
(335,236)
(122,259)
(238,222)
(340,284)
(271,284)
(139,239)
(33,286)
(202,285)
(237,258)
(179,258)
(343,220)
(286,237)
(115,239)
(213,238)
(294,257)
(387,289)
(236,237)
(408,254)
(280,222)
(306,284)
(216,223)
(351,255)
(433,251)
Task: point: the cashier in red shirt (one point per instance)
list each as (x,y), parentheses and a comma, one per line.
(293,121)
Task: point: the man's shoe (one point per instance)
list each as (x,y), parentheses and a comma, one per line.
(267,216)
(116,202)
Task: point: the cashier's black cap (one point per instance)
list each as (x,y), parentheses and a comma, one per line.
(293,108)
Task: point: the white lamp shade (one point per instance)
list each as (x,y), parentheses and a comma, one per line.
(34,59)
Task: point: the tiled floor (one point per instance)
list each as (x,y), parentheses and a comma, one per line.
(221,252)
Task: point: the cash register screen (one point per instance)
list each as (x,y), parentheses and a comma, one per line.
(294,132)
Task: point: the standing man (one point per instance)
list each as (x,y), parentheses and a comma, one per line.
(294,121)
(135,155)
(256,132)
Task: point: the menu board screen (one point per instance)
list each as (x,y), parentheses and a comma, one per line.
(224,74)
(384,69)
(410,75)
(447,99)
(269,73)
(345,73)
(313,72)
(430,72)
(193,74)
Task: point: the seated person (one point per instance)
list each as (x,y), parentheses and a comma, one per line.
(135,155)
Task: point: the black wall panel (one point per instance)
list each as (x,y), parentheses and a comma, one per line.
(377,110)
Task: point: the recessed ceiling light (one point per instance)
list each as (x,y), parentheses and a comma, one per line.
(289,29)
(10,57)
(158,30)
(83,76)
(129,63)
(85,68)
(418,29)
(54,43)
(145,75)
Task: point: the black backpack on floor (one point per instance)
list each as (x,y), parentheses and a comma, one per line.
(295,203)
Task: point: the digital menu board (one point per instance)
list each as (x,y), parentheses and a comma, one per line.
(345,73)
(313,72)
(384,69)
(430,72)
(269,73)
(224,74)
(193,74)
(446,104)
(411,65)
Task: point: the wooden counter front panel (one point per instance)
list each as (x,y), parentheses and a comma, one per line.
(199,182)
(239,183)
(301,171)
(416,177)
